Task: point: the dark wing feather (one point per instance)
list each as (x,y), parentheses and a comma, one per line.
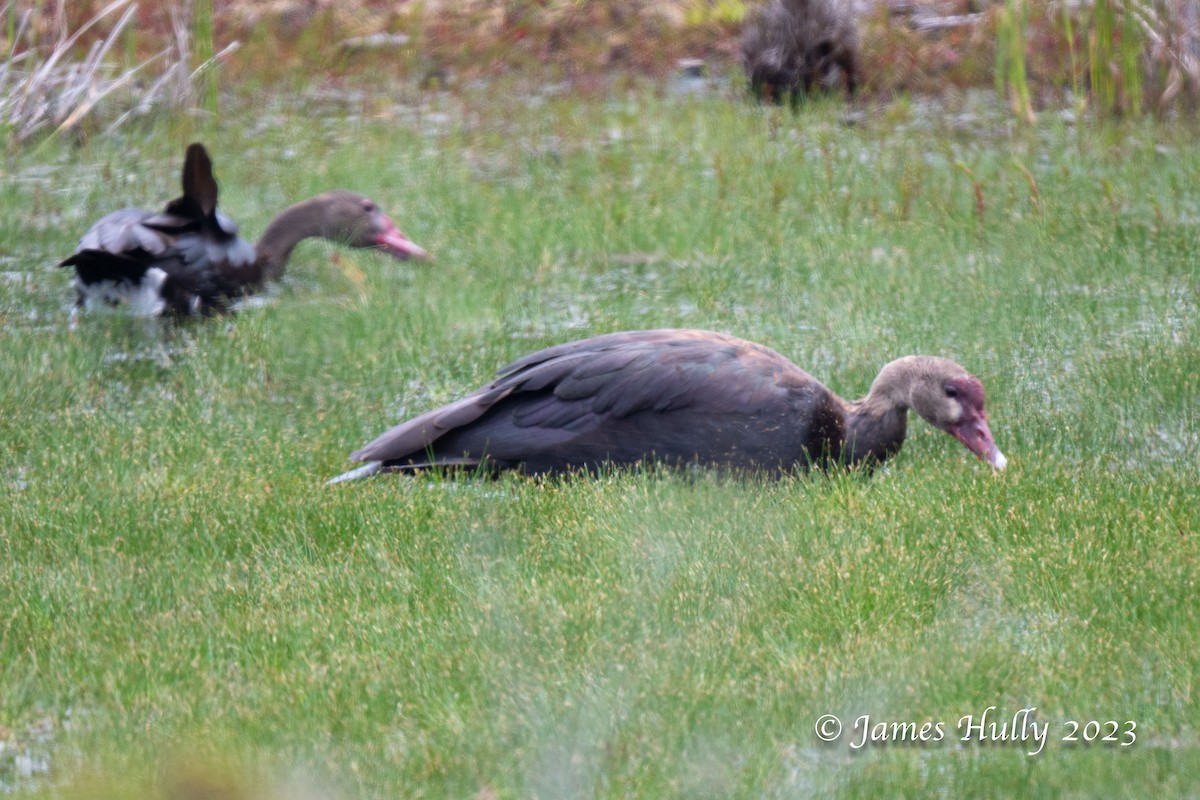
(118,247)
(415,436)
(549,411)
(610,342)
(123,231)
(677,395)
(198,180)
(94,266)
(199,186)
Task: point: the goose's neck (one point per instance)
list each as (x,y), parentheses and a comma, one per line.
(876,425)
(293,225)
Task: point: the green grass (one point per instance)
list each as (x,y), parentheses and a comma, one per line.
(178,586)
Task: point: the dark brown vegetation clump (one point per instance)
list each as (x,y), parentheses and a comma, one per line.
(791,47)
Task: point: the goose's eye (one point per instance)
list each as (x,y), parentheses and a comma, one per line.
(951,390)
(368,206)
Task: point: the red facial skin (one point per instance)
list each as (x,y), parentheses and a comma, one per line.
(971,428)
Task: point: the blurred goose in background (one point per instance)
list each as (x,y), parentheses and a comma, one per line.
(792,47)
(189,259)
(680,397)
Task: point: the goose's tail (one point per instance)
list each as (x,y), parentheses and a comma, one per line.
(108,280)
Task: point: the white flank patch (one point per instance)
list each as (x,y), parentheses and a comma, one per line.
(142,299)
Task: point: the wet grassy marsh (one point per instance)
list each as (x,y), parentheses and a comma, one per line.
(178,582)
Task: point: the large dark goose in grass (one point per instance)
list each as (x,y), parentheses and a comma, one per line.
(680,397)
(189,258)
